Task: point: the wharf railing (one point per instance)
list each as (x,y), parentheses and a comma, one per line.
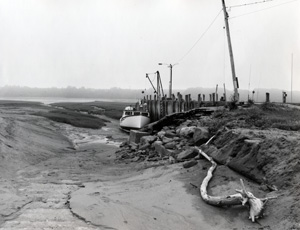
(160,107)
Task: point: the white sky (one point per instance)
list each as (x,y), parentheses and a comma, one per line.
(113,43)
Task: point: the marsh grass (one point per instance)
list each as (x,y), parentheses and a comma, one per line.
(264,116)
(113,110)
(82,114)
(72,115)
(8,103)
(76,119)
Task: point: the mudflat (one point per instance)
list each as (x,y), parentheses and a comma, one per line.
(57,176)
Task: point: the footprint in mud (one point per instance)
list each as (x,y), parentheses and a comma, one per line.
(105,199)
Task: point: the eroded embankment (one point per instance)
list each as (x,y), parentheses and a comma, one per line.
(266,156)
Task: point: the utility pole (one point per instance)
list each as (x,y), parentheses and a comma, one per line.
(234,78)
(170,82)
(292,79)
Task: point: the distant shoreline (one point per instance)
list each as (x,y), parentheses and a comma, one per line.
(73,94)
(50,100)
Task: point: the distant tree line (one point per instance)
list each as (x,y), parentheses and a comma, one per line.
(259,95)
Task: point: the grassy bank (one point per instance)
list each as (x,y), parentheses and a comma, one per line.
(67,116)
(73,118)
(113,110)
(8,103)
(264,116)
(80,114)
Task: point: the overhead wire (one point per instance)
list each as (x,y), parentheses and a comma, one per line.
(224,55)
(234,6)
(246,4)
(251,3)
(263,9)
(202,35)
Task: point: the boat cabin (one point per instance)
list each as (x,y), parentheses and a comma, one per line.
(131,111)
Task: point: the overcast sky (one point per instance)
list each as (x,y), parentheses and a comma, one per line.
(114,43)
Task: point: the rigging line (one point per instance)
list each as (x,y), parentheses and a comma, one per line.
(202,35)
(262,9)
(151,74)
(252,3)
(153,78)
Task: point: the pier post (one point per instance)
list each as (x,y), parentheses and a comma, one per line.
(161,108)
(170,107)
(181,103)
(190,106)
(177,103)
(267,97)
(199,98)
(157,109)
(165,107)
(185,103)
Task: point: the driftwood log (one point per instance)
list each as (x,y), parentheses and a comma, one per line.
(242,197)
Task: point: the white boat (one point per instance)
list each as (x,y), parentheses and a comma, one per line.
(133,119)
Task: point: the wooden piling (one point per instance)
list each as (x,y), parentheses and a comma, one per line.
(267,97)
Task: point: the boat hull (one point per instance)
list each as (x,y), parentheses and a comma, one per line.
(134,122)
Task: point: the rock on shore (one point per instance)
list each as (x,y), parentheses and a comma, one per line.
(172,143)
(267,155)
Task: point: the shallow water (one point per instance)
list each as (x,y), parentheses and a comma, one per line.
(109,134)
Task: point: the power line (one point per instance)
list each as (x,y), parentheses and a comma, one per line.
(202,35)
(248,4)
(263,9)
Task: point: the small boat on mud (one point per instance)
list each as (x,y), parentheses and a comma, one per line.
(134,119)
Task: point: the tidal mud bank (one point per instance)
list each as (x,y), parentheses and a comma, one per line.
(57,176)
(40,168)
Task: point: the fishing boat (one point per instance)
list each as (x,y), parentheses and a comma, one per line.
(137,119)
(134,119)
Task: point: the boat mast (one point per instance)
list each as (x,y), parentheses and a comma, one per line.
(234,78)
